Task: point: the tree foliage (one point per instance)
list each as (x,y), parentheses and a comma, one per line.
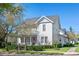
(77,35)
(9,15)
(71,34)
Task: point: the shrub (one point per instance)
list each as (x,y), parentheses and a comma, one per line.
(11,46)
(77,43)
(35,48)
(42,47)
(29,48)
(21,47)
(2,44)
(69,45)
(47,46)
(57,45)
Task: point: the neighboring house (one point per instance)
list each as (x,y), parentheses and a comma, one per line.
(43,30)
(63,37)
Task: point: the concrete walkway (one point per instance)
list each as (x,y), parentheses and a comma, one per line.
(71,51)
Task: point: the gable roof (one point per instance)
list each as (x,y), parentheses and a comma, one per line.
(41,18)
(51,18)
(34,21)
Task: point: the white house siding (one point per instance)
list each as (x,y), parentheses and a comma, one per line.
(47,32)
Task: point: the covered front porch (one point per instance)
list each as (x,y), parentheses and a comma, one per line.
(27,40)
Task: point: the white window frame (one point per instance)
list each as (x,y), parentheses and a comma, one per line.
(44,27)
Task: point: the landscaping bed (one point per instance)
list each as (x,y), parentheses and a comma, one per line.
(52,51)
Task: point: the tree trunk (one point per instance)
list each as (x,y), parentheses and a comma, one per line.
(6,45)
(25,43)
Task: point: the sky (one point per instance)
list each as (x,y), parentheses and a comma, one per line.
(68,13)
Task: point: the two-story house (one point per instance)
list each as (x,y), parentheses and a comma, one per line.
(43,30)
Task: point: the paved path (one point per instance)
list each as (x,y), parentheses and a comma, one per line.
(71,51)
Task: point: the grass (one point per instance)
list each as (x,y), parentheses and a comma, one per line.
(59,51)
(2,50)
(40,52)
(77,49)
(77,44)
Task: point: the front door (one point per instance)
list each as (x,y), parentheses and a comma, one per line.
(34,40)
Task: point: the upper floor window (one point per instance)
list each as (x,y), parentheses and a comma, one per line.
(44,27)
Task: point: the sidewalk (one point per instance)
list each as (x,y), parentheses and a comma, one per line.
(71,51)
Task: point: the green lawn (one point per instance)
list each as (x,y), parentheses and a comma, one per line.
(77,44)
(2,50)
(77,50)
(48,51)
(58,51)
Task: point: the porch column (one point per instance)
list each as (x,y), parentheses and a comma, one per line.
(18,40)
(25,43)
(30,41)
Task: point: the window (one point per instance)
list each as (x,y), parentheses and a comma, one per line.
(46,39)
(44,27)
(42,39)
(27,40)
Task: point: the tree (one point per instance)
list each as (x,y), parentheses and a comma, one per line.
(71,34)
(3,7)
(11,14)
(2,32)
(71,30)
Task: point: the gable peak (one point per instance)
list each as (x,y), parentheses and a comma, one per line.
(44,17)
